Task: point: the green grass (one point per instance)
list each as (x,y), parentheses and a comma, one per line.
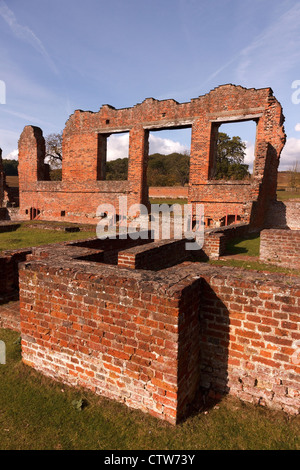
(25,236)
(37,413)
(249,246)
(283,195)
(255,266)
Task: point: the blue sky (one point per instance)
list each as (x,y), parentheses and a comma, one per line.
(58,56)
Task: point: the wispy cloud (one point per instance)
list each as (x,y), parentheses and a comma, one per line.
(275,51)
(25,34)
(27,118)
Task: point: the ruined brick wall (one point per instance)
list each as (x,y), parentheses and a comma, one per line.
(284,215)
(280,247)
(154,256)
(83,185)
(118,335)
(159,340)
(250,338)
(166,192)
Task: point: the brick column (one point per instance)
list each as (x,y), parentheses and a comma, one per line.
(31,157)
(137,165)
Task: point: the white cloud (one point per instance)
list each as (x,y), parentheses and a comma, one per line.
(297,127)
(8,141)
(25,34)
(165,146)
(249,155)
(290,154)
(12,155)
(117,146)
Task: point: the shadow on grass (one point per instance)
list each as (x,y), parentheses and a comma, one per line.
(246,246)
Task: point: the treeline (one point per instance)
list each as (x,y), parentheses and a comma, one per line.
(163,170)
(170,170)
(10,167)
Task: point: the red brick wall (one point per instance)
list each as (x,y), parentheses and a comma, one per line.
(280,247)
(172,192)
(284,215)
(155,256)
(84,156)
(215,240)
(250,338)
(159,340)
(114,334)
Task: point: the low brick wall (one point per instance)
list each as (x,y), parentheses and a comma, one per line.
(160,340)
(156,255)
(284,215)
(10,316)
(280,247)
(250,335)
(8,227)
(169,192)
(121,333)
(215,240)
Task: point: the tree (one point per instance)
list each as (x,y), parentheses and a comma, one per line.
(117,170)
(10,167)
(294,177)
(230,157)
(54,150)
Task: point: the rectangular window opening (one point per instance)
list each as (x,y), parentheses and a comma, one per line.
(169,158)
(113,152)
(232,151)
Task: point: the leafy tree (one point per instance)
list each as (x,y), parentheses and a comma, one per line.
(10,167)
(168,170)
(230,157)
(117,169)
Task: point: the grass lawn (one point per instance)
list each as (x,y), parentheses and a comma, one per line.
(286,195)
(26,236)
(37,413)
(250,248)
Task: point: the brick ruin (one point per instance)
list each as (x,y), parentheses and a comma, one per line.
(138,320)
(83,186)
(125,324)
